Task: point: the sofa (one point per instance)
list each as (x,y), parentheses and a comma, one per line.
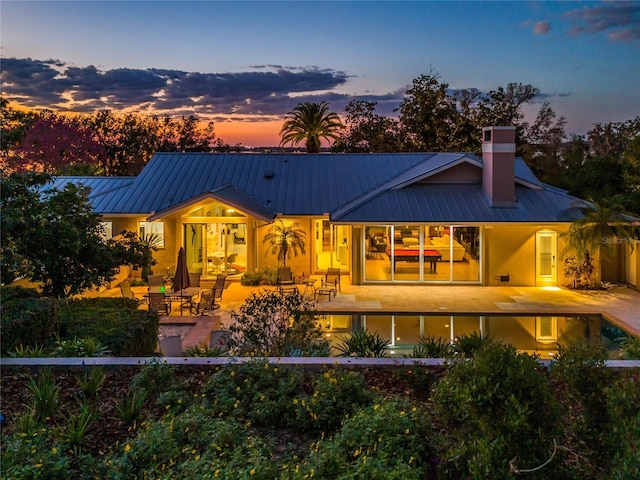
(442,245)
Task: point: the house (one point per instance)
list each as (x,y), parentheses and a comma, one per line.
(426,218)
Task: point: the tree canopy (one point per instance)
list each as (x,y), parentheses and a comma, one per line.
(310,122)
(53,237)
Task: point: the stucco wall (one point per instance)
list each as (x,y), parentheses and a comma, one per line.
(510,250)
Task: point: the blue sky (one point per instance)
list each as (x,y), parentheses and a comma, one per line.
(245,64)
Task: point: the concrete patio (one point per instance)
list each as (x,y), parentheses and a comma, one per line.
(619,305)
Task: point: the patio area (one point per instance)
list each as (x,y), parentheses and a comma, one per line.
(619,305)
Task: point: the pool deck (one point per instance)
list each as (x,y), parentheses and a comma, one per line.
(619,305)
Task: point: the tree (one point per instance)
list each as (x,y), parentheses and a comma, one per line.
(602,226)
(310,122)
(285,240)
(53,237)
(58,144)
(367,131)
(429,118)
(14,125)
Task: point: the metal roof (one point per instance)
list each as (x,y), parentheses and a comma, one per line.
(461,203)
(350,187)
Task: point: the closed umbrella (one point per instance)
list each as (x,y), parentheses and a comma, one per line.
(181,278)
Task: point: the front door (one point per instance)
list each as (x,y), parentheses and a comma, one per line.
(546,256)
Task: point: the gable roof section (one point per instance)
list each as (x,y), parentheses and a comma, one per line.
(464,203)
(229,195)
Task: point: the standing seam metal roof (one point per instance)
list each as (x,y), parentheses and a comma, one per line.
(351,187)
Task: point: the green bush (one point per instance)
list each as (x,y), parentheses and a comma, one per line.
(337,394)
(387,440)
(432,347)
(362,343)
(583,369)
(251,279)
(269,324)
(623,431)
(27,319)
(491,408)
(114,322)
(255,390)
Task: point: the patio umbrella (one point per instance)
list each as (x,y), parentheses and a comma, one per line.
(181,278)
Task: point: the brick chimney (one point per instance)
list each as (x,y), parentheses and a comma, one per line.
(499,159)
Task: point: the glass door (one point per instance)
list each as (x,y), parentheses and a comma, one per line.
(546,258)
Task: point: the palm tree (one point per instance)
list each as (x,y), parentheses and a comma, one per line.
(603,225)
(310,122)
(285,240)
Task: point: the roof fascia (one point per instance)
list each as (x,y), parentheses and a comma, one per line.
(208,195)
(464,158)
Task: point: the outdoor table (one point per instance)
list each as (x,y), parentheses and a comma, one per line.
(309,286)
(178,296)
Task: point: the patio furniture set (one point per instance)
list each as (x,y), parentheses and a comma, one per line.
(329,283)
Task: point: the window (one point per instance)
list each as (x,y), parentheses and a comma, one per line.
(152,228)
(107,230)
(547,329)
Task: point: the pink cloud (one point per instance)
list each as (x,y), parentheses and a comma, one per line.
(541,28)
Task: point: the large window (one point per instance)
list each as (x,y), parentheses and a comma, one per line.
(152,228)
(422,253)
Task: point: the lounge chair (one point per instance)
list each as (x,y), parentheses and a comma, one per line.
(125,289)
(330,284)
(285,281)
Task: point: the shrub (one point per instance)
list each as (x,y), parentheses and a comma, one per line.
(362,343)
(45,394)
(251,279)
(269,324)
(27,319)
(490,409)
(468,345)
(337,394)
(582,368)
(387,440)
(623,432)
(114,322)
(256,390)
(432,347)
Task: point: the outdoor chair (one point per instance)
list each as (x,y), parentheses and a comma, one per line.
(171,346)
(330,284)
(194,279)
(125,288)
(155,280)
(219,339)
(285,281)
(206,302)
(218,289)
(158,302)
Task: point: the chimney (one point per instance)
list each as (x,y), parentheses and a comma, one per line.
(499,159)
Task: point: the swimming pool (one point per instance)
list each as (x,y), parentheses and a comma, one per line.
(539,334)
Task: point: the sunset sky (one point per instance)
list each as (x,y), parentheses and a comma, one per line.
(245,64)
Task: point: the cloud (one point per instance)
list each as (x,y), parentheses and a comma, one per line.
(619,20)
(541,28)
(273,90)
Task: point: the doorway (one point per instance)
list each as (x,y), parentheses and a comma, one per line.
(546,255)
